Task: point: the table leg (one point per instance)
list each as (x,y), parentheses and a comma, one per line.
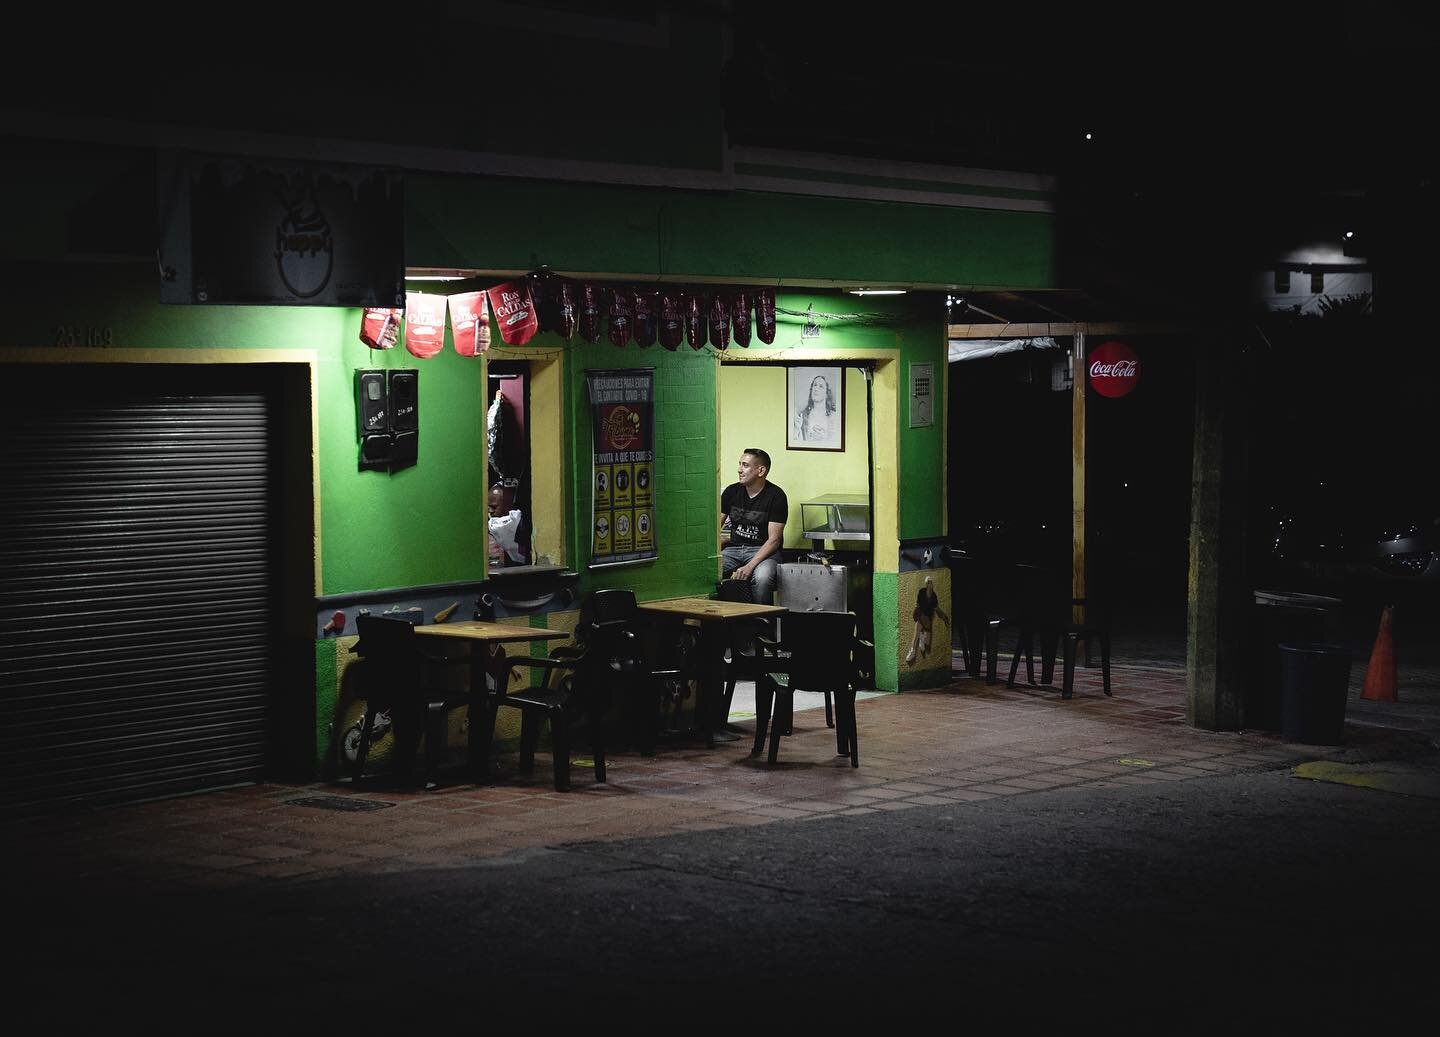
(481,712)
(712,681)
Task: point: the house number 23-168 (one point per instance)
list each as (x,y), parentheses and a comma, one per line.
(83,335)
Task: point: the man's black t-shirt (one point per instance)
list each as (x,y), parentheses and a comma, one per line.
(750,517)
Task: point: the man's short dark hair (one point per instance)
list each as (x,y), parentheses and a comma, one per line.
(759,455)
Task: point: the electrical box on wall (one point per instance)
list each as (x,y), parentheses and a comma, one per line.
(404,400)
(372,403)
(375,451)
(1062,373)
(387,408)
(407,450)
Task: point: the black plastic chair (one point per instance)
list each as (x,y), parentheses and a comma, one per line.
(408,682)
(1041,614)
(581,682)
(818,651)
(984,603)
(1097,626)
(1047,615)
(578,686)
(635,663)
(740,656)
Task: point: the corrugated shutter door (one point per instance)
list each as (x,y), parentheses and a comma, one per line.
(136,598)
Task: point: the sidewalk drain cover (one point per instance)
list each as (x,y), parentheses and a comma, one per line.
(345,803)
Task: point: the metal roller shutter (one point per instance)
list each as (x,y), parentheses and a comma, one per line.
(136,601)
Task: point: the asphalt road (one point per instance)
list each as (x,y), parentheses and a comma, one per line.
(1259,899)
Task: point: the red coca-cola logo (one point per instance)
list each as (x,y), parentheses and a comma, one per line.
(1114,369)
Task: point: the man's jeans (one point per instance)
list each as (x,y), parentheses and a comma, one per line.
(762,580)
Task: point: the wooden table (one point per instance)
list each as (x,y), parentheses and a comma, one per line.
(714,617)
(487,659)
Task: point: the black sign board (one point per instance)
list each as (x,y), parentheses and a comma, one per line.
(273,232)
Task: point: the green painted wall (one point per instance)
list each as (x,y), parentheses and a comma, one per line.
(508,224)
(922,450)
(377,530)
(327,696)
(419,525)
(887,641)
(685,471)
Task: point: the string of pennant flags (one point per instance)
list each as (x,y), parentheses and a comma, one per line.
(542,301)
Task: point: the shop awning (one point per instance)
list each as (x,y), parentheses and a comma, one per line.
(1028,318)
(982,348)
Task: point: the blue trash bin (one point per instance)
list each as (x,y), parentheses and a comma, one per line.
(1314,681)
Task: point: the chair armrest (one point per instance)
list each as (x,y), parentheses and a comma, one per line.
(537,661)
(864,658)
(768,644)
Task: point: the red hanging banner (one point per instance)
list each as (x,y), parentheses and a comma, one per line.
(470,323)
(514,312)
(424,324)
(380,328)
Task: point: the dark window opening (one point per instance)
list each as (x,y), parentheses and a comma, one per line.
(508,480)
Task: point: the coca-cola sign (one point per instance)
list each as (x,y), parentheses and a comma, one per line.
(1114,369)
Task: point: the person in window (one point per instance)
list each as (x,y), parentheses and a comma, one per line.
(505,547)
(816,421)
(753,511)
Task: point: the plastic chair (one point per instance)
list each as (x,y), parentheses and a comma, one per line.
(744,633)
(1097,626)
(981,611)
(818,651)
(400,678)
(1045,617)
(1041,613)
(581,683)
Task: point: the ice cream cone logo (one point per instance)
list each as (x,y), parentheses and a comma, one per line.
(304,244)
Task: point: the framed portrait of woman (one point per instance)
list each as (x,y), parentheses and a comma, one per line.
(815,399)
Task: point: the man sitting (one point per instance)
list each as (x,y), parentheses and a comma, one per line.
(753,511)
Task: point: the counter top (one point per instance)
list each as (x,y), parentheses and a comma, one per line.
(839,498)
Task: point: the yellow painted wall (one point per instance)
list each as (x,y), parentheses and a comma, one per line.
(753,413)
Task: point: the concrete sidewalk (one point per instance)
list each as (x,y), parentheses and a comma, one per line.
(968,742)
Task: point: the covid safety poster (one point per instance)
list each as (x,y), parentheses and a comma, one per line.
(622,525)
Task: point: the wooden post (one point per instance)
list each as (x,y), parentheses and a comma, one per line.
(1221,599)
(1077,477)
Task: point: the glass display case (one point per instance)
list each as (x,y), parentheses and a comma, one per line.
(843,518)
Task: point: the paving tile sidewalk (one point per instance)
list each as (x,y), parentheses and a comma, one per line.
(967,742)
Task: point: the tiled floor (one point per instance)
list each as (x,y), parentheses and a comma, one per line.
(967,742)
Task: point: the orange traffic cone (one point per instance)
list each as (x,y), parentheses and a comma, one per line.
(1380,673)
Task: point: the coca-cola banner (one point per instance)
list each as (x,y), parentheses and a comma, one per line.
(622,524)
(514,312)
(1114,369)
